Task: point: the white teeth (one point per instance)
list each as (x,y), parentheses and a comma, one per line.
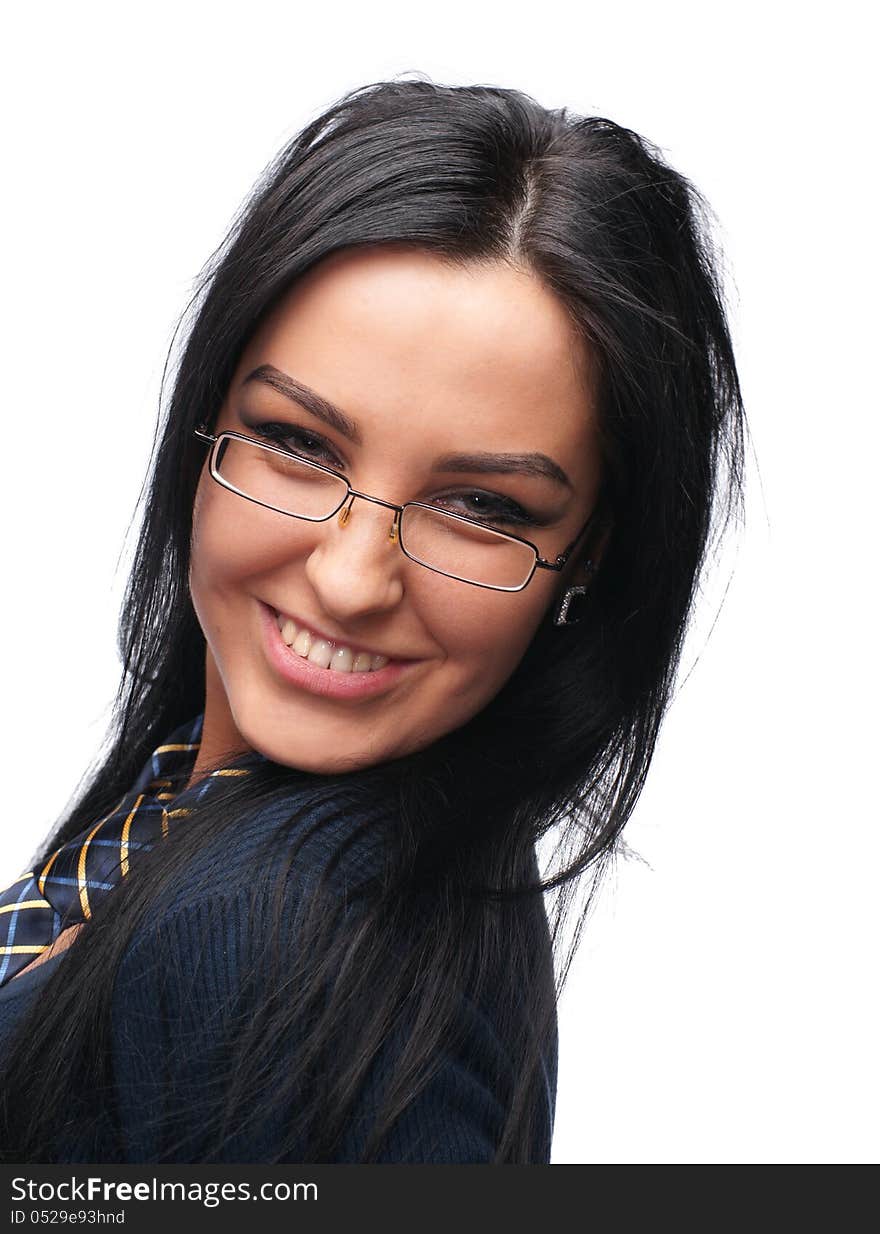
(320,653)
(325,654)
(302,644)
(342,660)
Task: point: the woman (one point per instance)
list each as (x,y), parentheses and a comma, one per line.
(455,417)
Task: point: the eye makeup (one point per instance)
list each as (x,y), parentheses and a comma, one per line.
(494,509)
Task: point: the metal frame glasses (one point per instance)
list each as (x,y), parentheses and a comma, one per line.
(395,533)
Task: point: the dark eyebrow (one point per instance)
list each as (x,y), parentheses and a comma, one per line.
(309,399)
(536,464)
(540,465)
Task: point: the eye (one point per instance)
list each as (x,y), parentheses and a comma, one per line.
(299,440)
(490,508)
(493,509)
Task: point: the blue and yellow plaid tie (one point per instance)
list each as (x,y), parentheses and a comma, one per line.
(72,882)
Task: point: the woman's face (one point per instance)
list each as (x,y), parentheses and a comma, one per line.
(424,360)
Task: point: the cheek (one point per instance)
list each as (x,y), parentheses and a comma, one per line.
(486,635)
(235,541)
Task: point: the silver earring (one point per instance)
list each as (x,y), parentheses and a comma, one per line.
(570,608)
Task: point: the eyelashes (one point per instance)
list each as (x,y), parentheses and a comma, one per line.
(281,434)
(484,507)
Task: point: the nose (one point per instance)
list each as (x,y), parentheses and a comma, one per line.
(356,566)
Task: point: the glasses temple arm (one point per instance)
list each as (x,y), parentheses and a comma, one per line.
(563,556)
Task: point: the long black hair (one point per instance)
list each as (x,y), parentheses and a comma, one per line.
(561,753)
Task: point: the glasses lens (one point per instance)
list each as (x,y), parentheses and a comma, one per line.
(465,550)
(279,480)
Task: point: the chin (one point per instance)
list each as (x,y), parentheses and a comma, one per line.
(305,756)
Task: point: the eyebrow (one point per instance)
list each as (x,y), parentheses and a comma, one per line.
(533,464)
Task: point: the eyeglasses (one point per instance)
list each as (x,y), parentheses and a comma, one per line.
(452,544)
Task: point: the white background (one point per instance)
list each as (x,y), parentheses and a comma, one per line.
(723,1005)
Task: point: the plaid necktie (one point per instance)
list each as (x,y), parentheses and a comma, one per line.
(74,880)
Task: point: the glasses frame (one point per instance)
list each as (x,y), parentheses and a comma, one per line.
(201,431)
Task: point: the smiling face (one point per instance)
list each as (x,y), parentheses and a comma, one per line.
(414,360)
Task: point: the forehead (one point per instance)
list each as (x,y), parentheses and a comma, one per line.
(398,337)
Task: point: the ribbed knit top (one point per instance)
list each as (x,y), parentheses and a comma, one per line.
(457,1117)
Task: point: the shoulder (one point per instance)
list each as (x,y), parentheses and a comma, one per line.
(192,973)
(240,891)
(287,841)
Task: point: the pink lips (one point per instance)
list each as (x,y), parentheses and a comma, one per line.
(299,671)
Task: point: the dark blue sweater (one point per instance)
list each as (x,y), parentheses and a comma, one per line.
(457,1117)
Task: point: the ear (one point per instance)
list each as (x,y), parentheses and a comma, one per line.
(598,542)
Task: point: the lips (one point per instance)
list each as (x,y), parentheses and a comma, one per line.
(296,670)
